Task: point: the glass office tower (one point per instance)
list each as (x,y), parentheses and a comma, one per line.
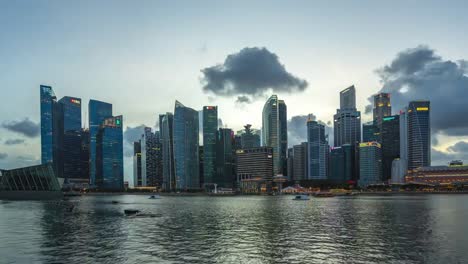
(98,111)
(224,176)
(419,134)
(167,140)
(47,100)
(186,153)
(109,155)
(390,135)
(274,131)
(347,120)
(382,108)
(210,127)
(317,151)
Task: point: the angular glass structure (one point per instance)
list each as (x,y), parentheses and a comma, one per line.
(210,126)
(347,120)
(109,155)
(187,172)
(224,158)
(98,111)
(317,151)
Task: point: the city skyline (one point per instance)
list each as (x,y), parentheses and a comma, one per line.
(140,98)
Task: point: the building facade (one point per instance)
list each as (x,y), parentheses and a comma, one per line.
(317,150)
(370,132)
(97,111)
(137,166)
(186,158)
(300,161)
(210,127)
(370,163)
(390,135)
(167,140)
(255,169)
(342,164)
(109,155)
(347,120)
(47,101)
(224,176)
(419,134)
(274,131)
(249,137)
(382,108)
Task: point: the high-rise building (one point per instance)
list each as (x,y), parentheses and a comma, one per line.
(370,163)
(224,176)
(167,140)
(342,164)
(48,100)
(69,143)
(347,120)
(419,134)
(300,162)
(249,137)
(210,127)
(317,150)
(97,111)
(150,158)
(109,155)
(390,134)
(382,108)
(290,164)
(370,132)
(255,169)
(274,131)
(403,142)
(137,168)
(186,148)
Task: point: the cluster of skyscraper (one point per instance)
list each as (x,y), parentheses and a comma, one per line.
(252,160)
(390,146)
(82,157)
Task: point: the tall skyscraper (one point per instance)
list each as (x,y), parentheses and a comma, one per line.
(210,127)
(370,163)
(390,142)
(300,162)
(317,151)
(48,100)
(186,147)
(403,163)
(419,134)
(249,137)
(109,154)
(382,107)
(224,176)
(274,131)
(370,132)
(84,167)
(97,111)
(149,158)
(137,168)
(167,140)
(290,164)
(69,145)
(347,120)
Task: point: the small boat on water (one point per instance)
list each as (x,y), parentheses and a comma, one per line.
(155,197)
(129,212)
(302,197)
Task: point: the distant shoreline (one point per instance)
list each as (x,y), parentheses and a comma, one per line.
(230,195)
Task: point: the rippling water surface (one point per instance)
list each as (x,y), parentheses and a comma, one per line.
(245,229)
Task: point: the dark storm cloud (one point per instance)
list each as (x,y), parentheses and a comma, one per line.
(250,72)
(420,74)
(297,129)
(242,99)
(25,127)
(3,155)
(16,141)
(130,135)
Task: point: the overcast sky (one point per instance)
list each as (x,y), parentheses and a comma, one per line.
(143,55)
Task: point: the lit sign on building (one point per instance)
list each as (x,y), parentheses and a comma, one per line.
(75,101)
(422,109)
(210,107)
(117,122)
(388,118)
(369,144)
